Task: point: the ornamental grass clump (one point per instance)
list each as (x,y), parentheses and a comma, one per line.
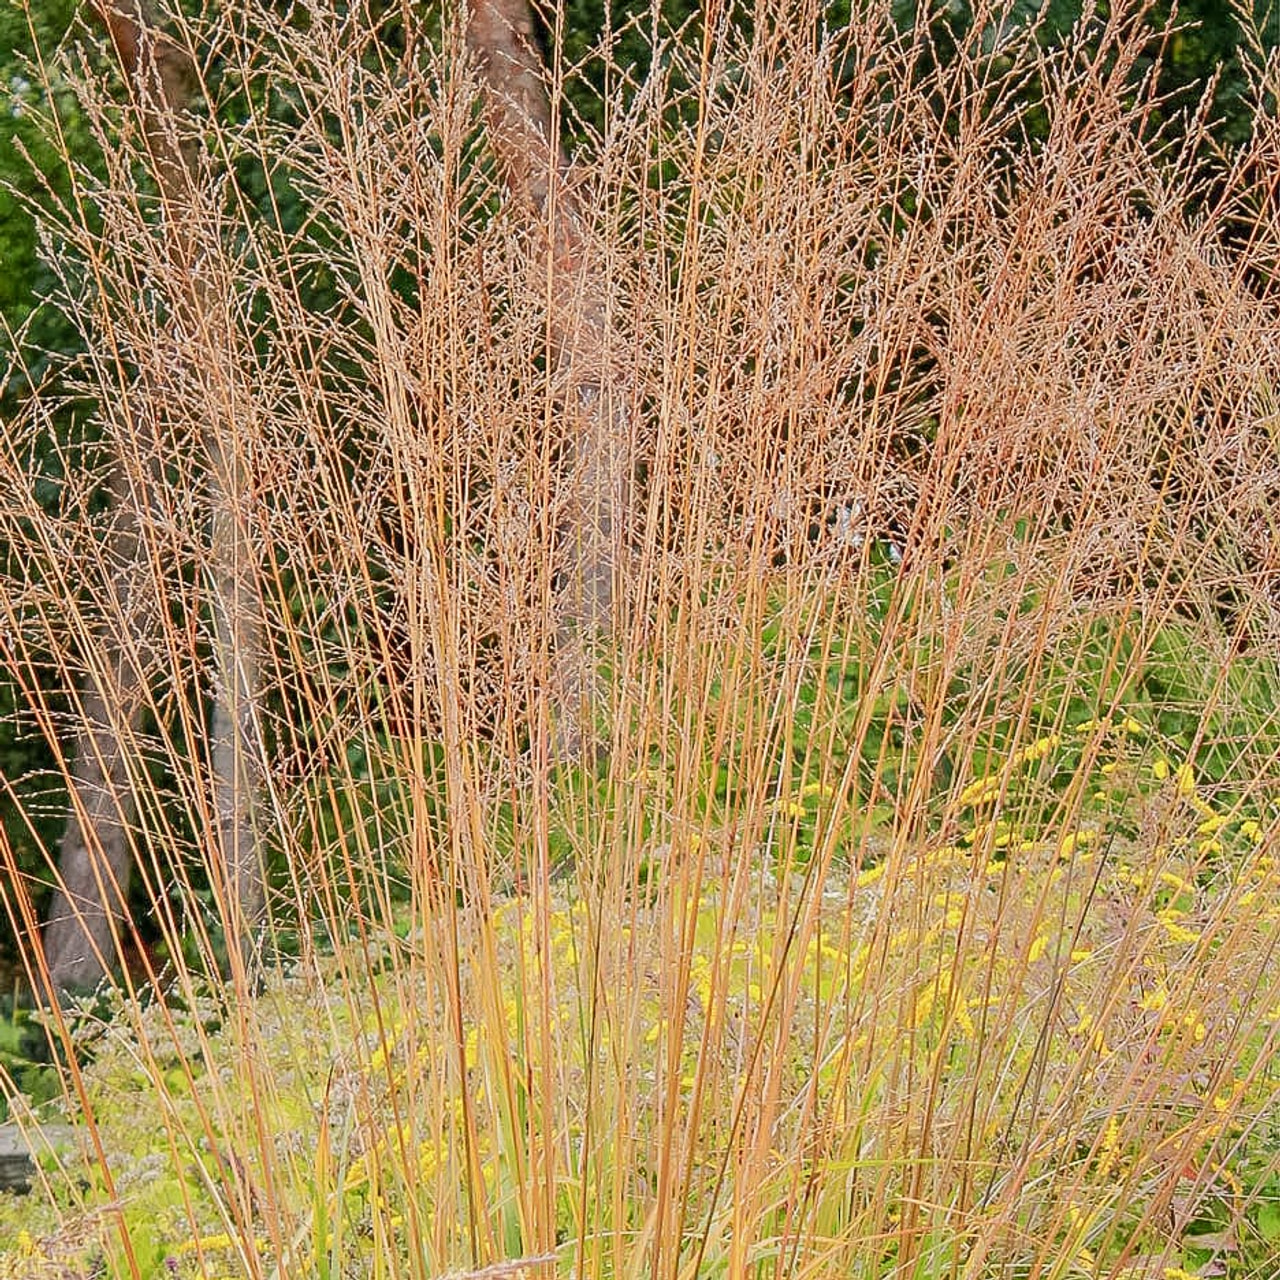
(915,913)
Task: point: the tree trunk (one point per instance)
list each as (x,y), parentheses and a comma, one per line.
(595,399)
(88,910)
(80,941)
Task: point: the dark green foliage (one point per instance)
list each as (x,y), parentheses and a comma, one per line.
(629,31)
(1195,46)
(34,128)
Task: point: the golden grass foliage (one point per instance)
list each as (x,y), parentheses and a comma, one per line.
(920,920)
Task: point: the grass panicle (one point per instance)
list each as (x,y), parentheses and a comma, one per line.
(920,918)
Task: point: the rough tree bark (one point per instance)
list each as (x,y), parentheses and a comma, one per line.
(594,395)
(81,939)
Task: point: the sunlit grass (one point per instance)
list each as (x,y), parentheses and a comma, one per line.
(920,918)
(842,1051)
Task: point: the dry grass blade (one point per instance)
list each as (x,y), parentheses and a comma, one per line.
(920,917)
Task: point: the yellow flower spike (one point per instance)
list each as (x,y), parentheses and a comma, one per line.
(1135,727)
(1074,840)
(357,1174)
(1196,1028)
(981,791)
(871,875)
(1202,807)
(1038,945)
(1169,918)
(1109,1152)
(1159,768)
(1251,831)
(1184,778)
(1036,750)
(219,1240)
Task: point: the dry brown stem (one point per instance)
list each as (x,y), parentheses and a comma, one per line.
(81,942)
(595,395)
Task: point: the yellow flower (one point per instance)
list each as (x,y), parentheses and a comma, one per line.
(1076,840)
(1109,1151)
(1185,779)
(982,791)
(1159,768)
(1169,918)
(1035,751)
(218,1240)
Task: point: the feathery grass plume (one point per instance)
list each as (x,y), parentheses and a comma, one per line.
(920,918)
